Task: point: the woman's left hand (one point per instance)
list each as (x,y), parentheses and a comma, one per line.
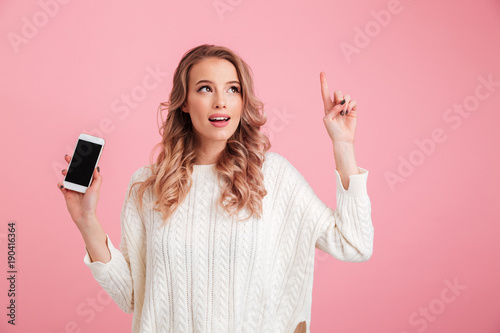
(340,118)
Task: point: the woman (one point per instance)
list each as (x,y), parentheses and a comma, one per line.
(219,235)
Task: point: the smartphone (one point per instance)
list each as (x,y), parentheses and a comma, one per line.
(87,153)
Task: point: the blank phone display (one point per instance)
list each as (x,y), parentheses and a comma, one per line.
(83,162)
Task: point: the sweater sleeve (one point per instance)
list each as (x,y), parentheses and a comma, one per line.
(346,233)
(115,276)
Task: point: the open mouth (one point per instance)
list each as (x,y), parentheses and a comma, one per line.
(219,119)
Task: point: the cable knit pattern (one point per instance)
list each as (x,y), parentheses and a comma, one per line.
(207,272)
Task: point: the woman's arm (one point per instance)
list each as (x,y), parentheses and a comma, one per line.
(121,273)
(345,161)
(347,232)
(96,242)
(115,274)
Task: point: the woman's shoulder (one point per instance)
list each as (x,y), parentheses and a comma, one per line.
(273,158)
(279,164)
(141,174)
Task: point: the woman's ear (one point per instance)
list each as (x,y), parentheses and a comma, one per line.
(184,108)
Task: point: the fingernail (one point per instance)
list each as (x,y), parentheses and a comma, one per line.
(61,187)
(342,112)
(65,155)
(346,112)
(343,101)
(64,170)
(98,170)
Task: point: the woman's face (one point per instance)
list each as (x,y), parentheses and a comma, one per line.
(213,88)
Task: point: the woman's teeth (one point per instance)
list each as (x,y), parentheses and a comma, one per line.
(218,119)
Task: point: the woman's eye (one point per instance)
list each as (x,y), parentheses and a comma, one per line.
(236,90)
(204,87)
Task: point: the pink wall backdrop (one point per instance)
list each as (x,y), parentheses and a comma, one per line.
(426,77)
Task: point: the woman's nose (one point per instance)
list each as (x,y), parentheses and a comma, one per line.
(220,102)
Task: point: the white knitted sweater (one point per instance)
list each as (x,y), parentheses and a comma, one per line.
(206,272)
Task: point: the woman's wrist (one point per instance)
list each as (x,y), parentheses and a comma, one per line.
(96,241)
(90,227)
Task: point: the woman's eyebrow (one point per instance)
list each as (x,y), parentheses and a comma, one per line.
(208,81)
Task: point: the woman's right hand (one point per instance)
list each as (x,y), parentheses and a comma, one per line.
(82,206)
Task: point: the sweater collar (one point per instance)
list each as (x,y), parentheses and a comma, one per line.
(203,168)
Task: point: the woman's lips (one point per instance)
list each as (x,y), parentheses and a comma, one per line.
(221,123)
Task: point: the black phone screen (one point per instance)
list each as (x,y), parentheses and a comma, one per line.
(83,162)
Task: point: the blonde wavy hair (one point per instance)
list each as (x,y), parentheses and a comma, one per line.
(239,166)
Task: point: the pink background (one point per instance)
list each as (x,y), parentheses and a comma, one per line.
(439,222)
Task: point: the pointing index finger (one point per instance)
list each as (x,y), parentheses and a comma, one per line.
(325,93)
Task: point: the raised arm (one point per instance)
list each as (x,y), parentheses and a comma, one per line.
(347,232)
(117,275)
